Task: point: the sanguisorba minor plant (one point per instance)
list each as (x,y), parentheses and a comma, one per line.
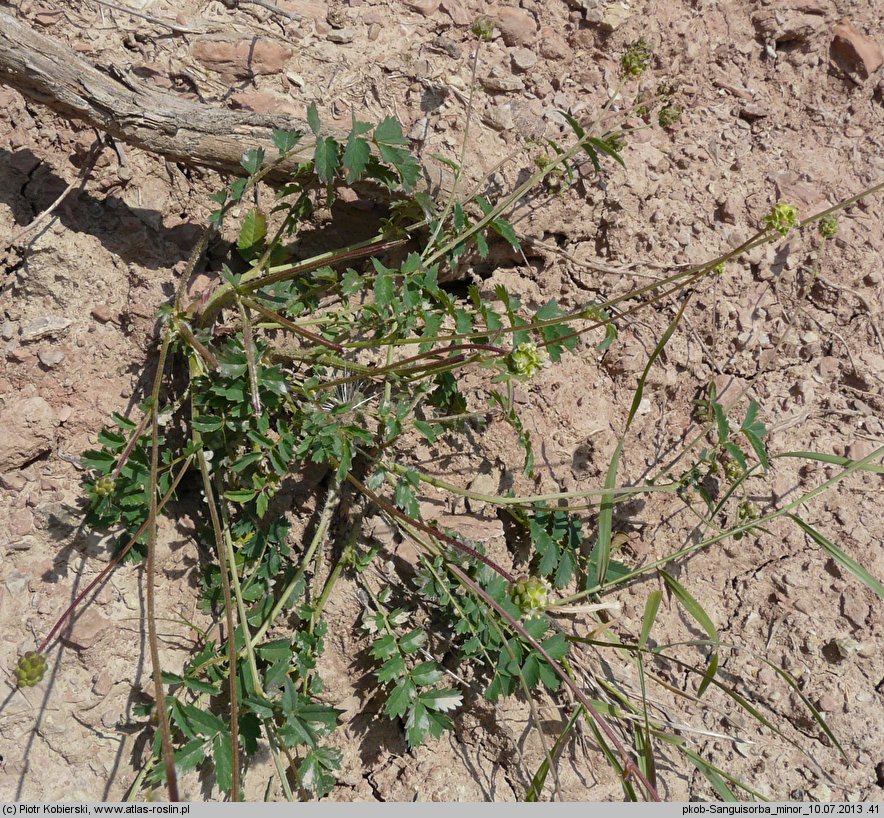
(345,360)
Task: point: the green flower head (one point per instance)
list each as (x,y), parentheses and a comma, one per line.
(482,28)
(828,226)
(104,486)
(531,594)
(637,57)
(669,115)
(783,218)
(526,360)
(31,669)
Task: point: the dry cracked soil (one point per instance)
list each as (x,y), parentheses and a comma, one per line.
(781,100)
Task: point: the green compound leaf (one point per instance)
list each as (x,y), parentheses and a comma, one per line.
(405,164)
(313,119)
(194,721)
(755,430)
(316,772)
(251,161)
(222,753)
(253,230)
(356,156)
(384,285)
(284,141)
(389,132)
(325,159)
(444,700)
(400,699)
(412,641)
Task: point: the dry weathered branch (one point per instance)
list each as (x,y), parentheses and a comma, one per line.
(183,131)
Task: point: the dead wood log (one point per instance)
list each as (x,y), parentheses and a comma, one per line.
(191,133)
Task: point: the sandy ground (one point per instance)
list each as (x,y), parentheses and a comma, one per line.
(777,105)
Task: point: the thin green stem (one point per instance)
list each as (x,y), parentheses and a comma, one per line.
(226,544)
(318,537)
(501,500)
(856,465)
(120,555)
(344,560)
(254,279)
(225,570)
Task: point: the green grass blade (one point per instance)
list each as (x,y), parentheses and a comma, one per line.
(786,677)
(539,778)
(691,606)
(817,716)
(651,607)
(840,557)
(606,515)
(644,736)
(834,459)
(661,345)
(645,753)
(710,771)
(703,765)
(696,611)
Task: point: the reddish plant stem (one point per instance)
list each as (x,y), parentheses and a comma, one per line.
(201,349)
(291,325)
(433,353)
(111,565)
(428,529)
(130,446)
(223,299)
(149,585)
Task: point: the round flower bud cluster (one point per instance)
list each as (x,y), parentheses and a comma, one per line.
(526,360)
(105,486)
(31,669)
(531,594)
(783,218)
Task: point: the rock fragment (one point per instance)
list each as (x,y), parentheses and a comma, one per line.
(500,117)
(552,45)
(803,194)
(524,59)
(853,52)
(425,7)
(241,58)
(104,314)
(458,12)
(615,16)
(341,36)
(502,84)
(28,430)
(50,358)
(44,327)
(517,27)
(86,629)
(791,22)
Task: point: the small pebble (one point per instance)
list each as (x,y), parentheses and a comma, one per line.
(503,85)
(425,7)
(43,328)
(102,313)
(342,36)
(16,582)
(500,117)
(524,59)
(50,357)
